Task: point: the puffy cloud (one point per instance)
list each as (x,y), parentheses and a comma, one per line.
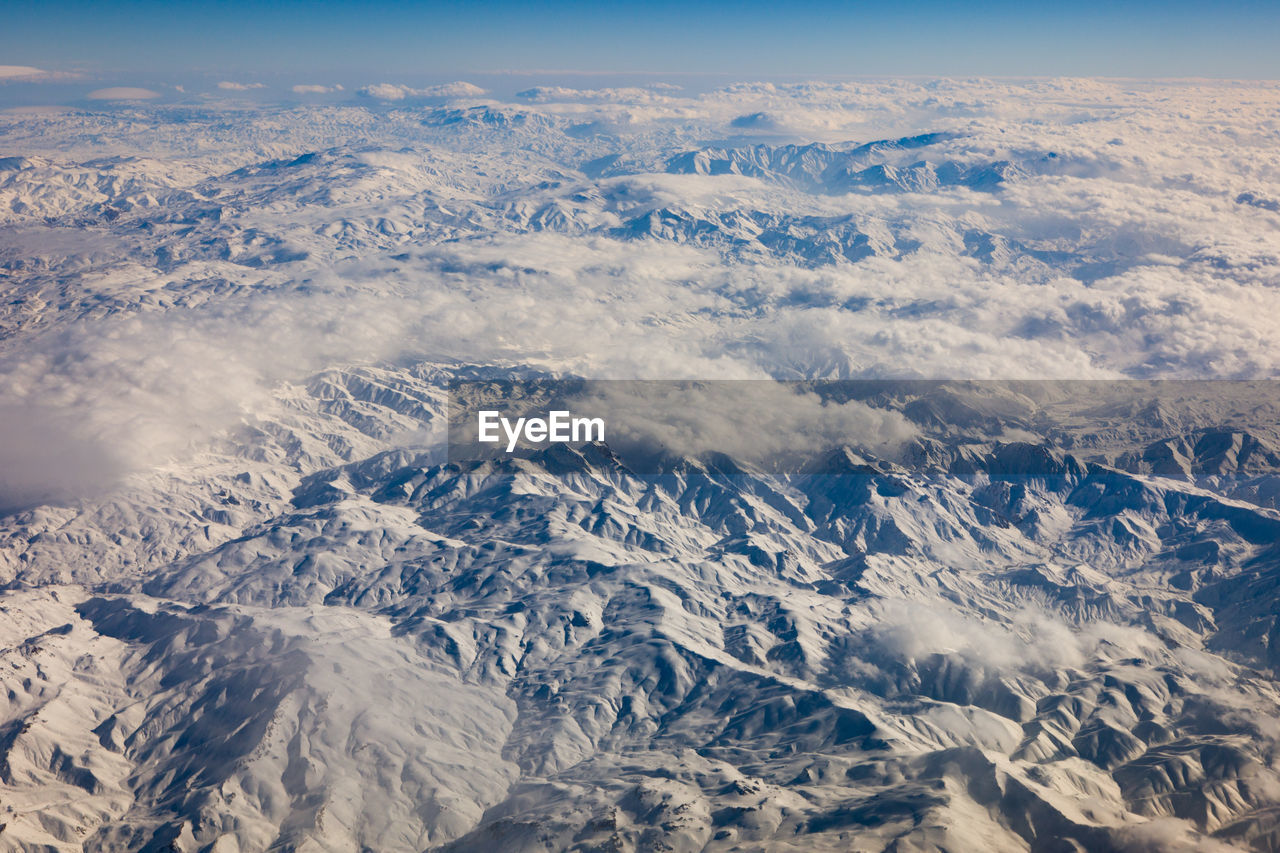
(240,87)
(122,93)
(386,91)
(313,89)
(96,400)
(457,89)
(1036,640)
(754,121)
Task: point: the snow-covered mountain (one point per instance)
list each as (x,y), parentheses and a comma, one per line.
(252,602)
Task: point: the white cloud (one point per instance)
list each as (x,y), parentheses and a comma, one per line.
(45,109)
(122,93)
(627,94)
(762,423)
(240,87)
(386,91)
(457,89)
(396,92)
(19,72)
(1169,833)
(313,89)
(522,258)
(1029,639)
(44,458)
(30,74)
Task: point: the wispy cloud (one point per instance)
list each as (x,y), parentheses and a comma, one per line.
(314,89)
(30,74)
(122,93)
(396,92)
(634,94)
(240,87)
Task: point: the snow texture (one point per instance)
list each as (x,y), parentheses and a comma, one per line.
(250,604)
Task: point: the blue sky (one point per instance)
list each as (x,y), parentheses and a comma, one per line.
(740,39)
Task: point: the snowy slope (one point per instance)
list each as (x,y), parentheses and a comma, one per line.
(250,603)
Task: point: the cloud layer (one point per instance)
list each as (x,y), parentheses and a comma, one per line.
(1068,229)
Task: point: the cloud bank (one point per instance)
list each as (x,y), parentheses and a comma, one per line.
(912,229)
